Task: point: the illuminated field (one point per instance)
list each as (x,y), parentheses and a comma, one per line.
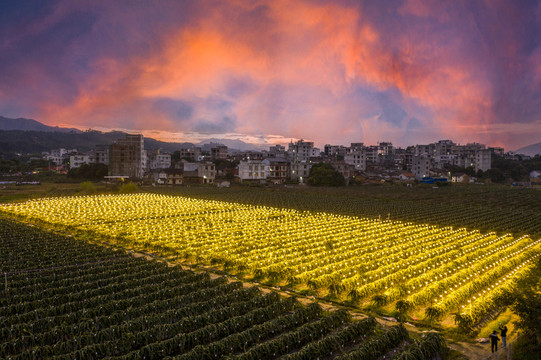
(407,266)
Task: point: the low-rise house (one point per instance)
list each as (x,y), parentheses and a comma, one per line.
(535,178)
(460,178)
(206,172)
(535,174)
(223,184)
(170,177)
(199,173)
(406,176)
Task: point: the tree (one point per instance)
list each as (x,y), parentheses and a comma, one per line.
(495,175)
(222,164)
(512,168)
(322,174)
(519,173)
(89,172)
(470,171)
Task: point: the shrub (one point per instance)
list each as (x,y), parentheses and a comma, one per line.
(129,188)
(87,187)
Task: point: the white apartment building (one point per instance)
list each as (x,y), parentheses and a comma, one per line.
(357,158)
(81,159)
(57,156)
(252,170)
(158,160)
(57,160)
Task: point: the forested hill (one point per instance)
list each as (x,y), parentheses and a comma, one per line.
(34,142)
(31,125)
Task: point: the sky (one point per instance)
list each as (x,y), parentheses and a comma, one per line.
(332,72)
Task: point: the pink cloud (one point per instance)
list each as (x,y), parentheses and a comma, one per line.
(304,62)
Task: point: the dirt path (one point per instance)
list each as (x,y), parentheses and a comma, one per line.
(480,351)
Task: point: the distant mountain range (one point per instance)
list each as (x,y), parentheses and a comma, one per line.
(29,136)
(530,150)
(31,125)
(231,144)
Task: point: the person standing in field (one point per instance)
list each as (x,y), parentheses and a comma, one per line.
(503,334)
(494,340)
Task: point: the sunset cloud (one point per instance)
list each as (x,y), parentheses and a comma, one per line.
(332,72)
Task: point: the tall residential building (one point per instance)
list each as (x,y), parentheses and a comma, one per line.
(277,170)
(445,153)
(127,157)
(473,155)
(218,152)
(300,171)
(421,166)
(335,150)
(444,147)
(300,151)
(101,154)
(403,158)
(277,150)
(356,156)
(429,150)
(483,160)
(193,153)
(385,154)
(371,154)
(498,151)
